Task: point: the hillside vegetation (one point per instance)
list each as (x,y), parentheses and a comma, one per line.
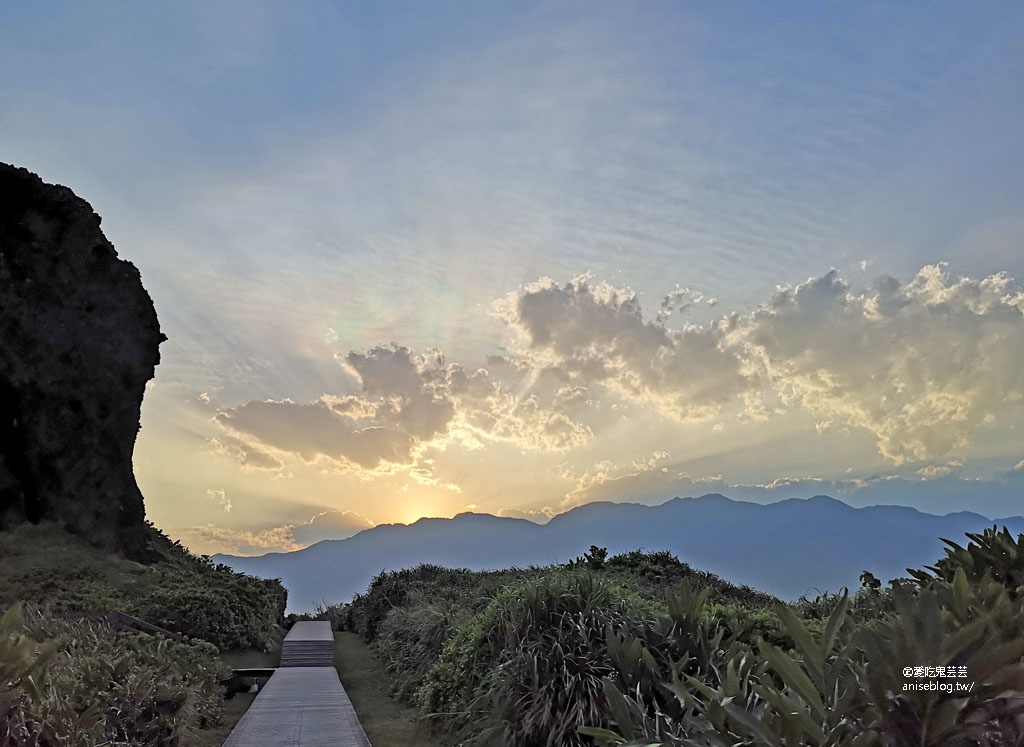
(639,649)
(70,681)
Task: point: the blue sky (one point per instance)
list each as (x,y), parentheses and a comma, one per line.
(415,258)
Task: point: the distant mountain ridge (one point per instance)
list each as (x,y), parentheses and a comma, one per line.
(789,548)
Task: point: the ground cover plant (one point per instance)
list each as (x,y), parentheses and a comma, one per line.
(856,679)
(639,649)
(517,655)
(52,570)
(68,683)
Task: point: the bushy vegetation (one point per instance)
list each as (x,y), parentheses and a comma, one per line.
(185,594)
(216,604)
(443,635)
(78,684)
(854,677)
(528,669)
(639,649)
(70,681)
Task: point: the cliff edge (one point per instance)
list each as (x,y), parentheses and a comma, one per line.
(79,339)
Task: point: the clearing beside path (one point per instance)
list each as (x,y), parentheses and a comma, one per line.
(385,720)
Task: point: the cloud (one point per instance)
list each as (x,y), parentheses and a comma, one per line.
(596,334)
(921,365)
(407,402)
(537,516)
(208,539)
(316,430)
(571,397)
(606,481)
(219,496)
(402,404)
(934,471)
(333,524)
(490,412)
(247,455)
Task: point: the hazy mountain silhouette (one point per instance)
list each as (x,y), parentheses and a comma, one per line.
(788,548)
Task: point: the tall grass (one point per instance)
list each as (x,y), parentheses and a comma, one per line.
(528,670)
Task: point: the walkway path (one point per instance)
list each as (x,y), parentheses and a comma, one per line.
(303,704)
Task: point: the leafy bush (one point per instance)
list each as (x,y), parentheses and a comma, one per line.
(87,685)
(410,641)
(230,610)
(991,553)
(655,574)
(471,590)
(413,617)
(844,680)
(52,570)
(335,614)
(528,670)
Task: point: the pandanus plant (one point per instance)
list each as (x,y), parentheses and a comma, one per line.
(850,684)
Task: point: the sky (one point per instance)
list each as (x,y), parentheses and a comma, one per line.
(415,259)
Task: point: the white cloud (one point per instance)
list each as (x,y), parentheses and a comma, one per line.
(920,365)
(219,496)
(596,334)
(247,455)
(332,524)
(407,402)
(934,471)
(537,516)
(606,481)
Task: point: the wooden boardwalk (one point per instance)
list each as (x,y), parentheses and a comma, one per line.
(308,644)
(302,705)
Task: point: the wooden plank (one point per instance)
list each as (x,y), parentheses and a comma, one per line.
(308,644)
(303,704)
(310,631)
(300,707)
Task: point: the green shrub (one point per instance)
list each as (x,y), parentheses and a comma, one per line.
(528,670)
(410,641)
(89,686)
(844,681)
(747,627)
(52,570)
(335,614)
(654,575)
(991,553)
(472,590)
(218,605)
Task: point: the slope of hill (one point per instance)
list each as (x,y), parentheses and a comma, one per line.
(788,549)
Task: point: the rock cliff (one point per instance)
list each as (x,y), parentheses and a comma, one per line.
(79,339)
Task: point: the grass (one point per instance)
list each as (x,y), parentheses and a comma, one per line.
(234,709)
(38,563)
(236,706)
(385,721)
(47,566)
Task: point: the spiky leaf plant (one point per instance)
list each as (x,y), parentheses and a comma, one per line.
(992,553)
(528,671)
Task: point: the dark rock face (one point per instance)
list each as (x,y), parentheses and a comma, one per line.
(79,339)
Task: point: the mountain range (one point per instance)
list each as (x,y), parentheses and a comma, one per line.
(790,548)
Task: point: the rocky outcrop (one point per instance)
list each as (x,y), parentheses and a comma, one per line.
(79,339)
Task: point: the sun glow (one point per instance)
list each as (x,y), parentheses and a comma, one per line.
(415,508)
